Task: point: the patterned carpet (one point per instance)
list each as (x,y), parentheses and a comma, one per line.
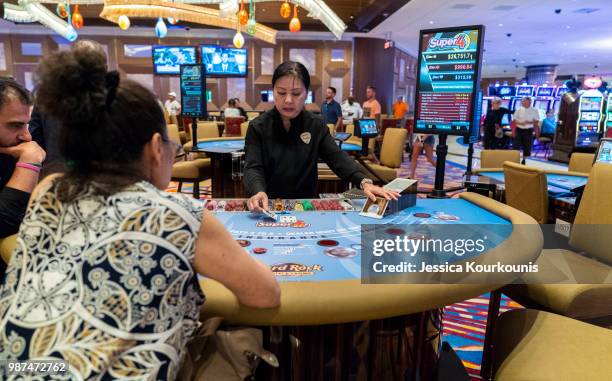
(464,329)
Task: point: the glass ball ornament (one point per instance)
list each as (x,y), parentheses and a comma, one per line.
(243,17)
(173,21)
(238,40)
(77,18)
(124,22)
(161,30)
(251,27)
(61,10)
(285,10)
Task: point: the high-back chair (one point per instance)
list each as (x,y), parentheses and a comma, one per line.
(527,190)
(581,162)
(252,114)
(350,128)
(192,171)
(232,126)
(332,129)
(590,234)
(391,156)
(536,345)
(243,128)
(495,158)
(207,130)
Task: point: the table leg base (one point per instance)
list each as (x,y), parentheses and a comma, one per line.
(400,348)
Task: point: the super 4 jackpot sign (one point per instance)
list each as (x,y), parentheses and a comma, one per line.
(449,77)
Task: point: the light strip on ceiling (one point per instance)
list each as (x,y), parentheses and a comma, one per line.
(184,12)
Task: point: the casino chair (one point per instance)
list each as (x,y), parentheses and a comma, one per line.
(191,171)
(243,128)
(590,262)
(391,156)
(527,190)
(232,126)
(206,130)
(252,114)
(332,129)
(581,162)
(493,159)
(535,345)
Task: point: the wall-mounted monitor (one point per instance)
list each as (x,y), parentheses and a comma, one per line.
(168,59)
(224,62)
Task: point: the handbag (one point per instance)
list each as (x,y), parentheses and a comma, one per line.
(231,353)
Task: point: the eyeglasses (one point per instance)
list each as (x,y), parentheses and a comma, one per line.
(176,147)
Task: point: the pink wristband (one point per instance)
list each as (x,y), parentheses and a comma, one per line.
(31,167)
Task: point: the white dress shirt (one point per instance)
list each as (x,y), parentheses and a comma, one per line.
(351,112)
(525,117)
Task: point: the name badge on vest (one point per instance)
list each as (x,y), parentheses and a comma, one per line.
(305,136)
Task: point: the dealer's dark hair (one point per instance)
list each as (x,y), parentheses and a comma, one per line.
(293,68)
(10,90)
(105,122)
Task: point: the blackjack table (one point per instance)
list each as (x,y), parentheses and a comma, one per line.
(330,325)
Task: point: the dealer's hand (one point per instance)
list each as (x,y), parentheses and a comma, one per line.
(258,202)
(372,191)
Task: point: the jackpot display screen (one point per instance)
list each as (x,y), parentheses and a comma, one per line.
(448,78)
(224,62)
(193,91)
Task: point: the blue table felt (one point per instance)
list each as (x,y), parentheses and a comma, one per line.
(302,246)
(556,183)
(228,146)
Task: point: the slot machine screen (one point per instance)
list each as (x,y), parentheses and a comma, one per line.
(447,79)
(505,103)
(506,91)
(524,91)
(604,153)
(590,103)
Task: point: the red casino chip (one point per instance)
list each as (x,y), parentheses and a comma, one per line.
(244,242)
(395,231)
(260,250)
(327,242)
(422,215)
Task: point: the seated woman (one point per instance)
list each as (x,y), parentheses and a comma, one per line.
(105,270)
(231,111)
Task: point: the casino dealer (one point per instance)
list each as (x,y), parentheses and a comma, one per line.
(283,145)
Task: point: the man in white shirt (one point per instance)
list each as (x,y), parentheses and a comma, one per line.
(526,119)
(172,105)
(351,110)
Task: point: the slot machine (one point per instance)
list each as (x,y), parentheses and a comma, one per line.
(590,115)
(544,100)
(608,115)
(522,91)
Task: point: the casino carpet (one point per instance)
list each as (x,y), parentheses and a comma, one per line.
(426,174)
(464,329)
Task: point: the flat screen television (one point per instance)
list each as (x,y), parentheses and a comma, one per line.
(224,62)
(167,60)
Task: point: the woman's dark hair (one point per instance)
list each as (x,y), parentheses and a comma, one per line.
(231,102)
(292,68)
(105,123)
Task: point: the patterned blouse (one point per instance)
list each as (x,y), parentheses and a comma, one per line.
(104,283)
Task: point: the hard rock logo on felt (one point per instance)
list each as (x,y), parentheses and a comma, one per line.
(295,269)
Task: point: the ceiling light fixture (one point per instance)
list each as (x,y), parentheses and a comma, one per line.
(189,13)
